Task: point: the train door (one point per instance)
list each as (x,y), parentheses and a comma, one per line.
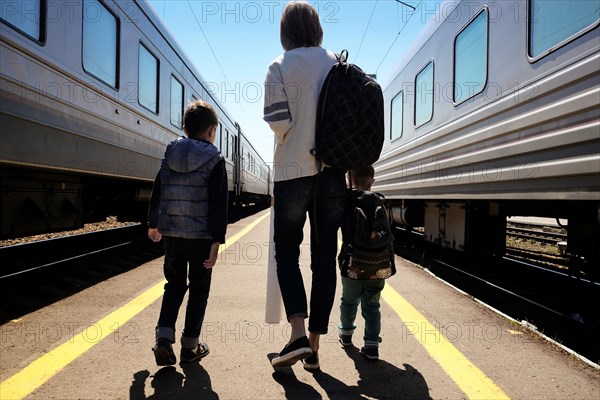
(219,134)
(236,158)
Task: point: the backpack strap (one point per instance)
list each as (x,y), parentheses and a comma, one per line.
(341,58)
(350,179)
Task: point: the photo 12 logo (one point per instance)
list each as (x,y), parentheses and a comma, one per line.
(258,11)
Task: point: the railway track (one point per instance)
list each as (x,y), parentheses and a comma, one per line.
(543,246)
(536,235)
(559,304)
(33,257)
(39,273)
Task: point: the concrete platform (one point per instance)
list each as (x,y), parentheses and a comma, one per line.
(437,343)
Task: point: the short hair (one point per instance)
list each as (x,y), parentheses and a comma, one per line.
(300,26)
(198,117)
(361,176)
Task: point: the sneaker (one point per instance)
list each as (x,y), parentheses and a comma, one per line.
(371,352)
(293,352)
(311,363)
(345,340)
(191,355)
(163,353)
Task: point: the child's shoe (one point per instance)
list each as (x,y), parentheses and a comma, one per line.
(311,363)
(163,353)
(371,352)
(191,355)
(345,340)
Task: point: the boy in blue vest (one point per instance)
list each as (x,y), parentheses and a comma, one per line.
(188,208)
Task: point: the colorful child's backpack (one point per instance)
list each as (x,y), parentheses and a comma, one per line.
(350,121)
(370,252)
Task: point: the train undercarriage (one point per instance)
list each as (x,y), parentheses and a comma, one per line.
(478,227)
(34,201)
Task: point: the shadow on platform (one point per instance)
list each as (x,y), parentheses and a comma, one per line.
(377,380)
(168,383)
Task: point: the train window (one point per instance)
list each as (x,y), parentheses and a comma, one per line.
(148,79)
(226,143)
(552,24)
(100,42)
(27,16)
(471,58)
(176,102)
(397,117)
(424,95)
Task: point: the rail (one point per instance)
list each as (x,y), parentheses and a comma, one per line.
(34,256)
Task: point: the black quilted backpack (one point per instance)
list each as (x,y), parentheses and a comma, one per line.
(350,125)
(368,250)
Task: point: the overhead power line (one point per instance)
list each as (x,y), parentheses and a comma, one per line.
(208,42)
(365,32)
(219,64)
(407,5)
(398,35)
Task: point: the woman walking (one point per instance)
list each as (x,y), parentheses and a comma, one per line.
(301,185)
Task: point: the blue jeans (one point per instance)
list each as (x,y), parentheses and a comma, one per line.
(179,253)
(322,197)
(368,294)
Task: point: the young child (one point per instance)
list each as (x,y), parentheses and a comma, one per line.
(188,208)
(367,291)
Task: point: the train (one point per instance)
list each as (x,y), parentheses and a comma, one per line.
(495,112)
(91,93)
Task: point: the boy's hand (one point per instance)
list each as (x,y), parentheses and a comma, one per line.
(154,234)
(212,259)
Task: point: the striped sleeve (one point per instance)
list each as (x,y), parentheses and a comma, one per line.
(276,111)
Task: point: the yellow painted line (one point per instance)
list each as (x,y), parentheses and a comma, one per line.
(463,372)
(471,380)
(41,370)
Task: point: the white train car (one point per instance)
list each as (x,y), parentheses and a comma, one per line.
(496,112)
(91,92)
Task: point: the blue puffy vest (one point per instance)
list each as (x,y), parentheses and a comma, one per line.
(184,175)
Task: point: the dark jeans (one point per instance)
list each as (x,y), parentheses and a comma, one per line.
(323,198)
(178,253)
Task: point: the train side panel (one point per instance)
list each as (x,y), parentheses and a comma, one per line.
(78,144)
(526,143)
(255,173)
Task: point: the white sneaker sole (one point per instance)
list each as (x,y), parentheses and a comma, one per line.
(311,367)
(292,357)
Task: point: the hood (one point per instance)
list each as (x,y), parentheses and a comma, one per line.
(186,155)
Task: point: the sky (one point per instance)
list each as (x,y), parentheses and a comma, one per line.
(231,44)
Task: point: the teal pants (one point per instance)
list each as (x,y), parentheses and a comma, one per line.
(367,293)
